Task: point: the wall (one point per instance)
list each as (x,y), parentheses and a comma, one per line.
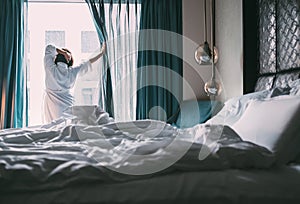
(193,31)
(229,42)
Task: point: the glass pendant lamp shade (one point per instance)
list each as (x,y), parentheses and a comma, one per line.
(212,88)
(203,54)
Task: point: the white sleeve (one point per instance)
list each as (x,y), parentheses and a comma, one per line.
(83,67)
(50,53)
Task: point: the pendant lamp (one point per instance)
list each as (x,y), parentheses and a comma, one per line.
(204,54)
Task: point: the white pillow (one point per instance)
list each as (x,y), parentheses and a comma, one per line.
(274,124)
(234,108)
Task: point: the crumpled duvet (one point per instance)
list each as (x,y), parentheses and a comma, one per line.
(58,155)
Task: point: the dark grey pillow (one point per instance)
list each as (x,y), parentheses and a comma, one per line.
(278,91)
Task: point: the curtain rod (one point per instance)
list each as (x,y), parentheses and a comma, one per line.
(80,1)
(57,1)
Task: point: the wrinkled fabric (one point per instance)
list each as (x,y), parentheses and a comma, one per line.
(60,154)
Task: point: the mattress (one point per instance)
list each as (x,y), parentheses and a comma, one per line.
(278,185)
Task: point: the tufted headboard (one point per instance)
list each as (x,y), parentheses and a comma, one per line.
(271,43)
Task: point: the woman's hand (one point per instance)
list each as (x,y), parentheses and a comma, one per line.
(103,49)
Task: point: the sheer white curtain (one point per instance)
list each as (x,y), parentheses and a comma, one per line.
(117,23)
(122,24)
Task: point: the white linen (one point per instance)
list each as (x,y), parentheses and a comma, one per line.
(87,115)
(59,80)
(274,124)
(234,108)
(54,155)
(54,162)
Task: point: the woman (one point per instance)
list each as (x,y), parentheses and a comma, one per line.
(60,78)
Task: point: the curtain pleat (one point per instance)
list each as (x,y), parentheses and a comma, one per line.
(163,15)
(13,111)
(105,90)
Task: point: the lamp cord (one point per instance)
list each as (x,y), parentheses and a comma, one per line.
(213,37)
(205,26)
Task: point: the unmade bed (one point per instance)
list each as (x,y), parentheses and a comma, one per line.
(89,158)
(247,153)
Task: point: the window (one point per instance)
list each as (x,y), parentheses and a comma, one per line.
(55,37)
(60,24)
(71,25)
(89,41)
(87,95)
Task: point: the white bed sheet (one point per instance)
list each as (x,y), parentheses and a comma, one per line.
(50,165)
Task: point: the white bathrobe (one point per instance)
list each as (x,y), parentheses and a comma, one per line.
(59,80)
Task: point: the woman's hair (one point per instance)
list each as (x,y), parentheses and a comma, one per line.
(61,58)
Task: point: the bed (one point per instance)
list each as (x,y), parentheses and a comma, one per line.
(90,158)
(247,153)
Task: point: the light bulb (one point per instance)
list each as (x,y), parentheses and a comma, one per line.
(212,88)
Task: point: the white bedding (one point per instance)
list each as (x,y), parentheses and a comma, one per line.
(64,156)
(96,160)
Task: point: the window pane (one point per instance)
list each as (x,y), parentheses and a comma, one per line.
(55,37)
(87,95)
(89,41)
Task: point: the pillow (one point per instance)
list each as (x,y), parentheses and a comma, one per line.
(279,91)
(235,107)
(295,83)
(274,124)
(295,87)
(291,88)
(87,115)
(188,114)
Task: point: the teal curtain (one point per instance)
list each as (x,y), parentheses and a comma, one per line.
(154,100)
(97,10)
(105,94)
(12,85)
